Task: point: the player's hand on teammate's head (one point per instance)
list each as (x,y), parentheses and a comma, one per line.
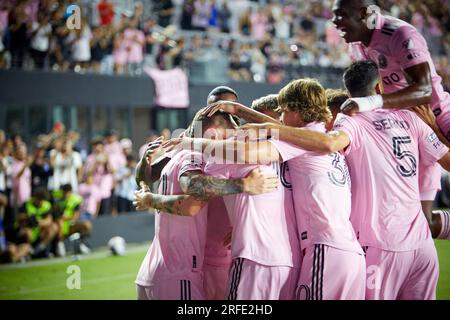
(425,113)
(174,144)
(349,107)
(257,182)
(152,149)
(222,106)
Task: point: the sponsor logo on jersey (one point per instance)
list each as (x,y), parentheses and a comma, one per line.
(408,44)
(382,61)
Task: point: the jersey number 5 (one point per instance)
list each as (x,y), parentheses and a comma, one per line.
(409,168)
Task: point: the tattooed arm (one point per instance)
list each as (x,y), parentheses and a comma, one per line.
(180,205)
(203,187)
(200,188)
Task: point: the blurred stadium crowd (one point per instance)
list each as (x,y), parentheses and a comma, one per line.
(52,192)
(260,39)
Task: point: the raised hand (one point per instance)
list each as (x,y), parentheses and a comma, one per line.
(257,182)
(222,106)
(425,113)
(152,149)
(173,144)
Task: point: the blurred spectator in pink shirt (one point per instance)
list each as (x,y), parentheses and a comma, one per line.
(21,176)
(99,166)
(92,196)
(113,148)
(134,40)
(332,35)
(258,22)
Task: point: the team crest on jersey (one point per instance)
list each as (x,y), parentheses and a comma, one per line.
(382,61)
(437,111)
(408,44)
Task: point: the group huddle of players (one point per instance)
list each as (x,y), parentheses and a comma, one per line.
(304,201)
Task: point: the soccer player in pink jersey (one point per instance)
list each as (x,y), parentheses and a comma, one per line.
(172,268)
(333,265)
(408,74)
(439,220)
(217,255)
(386,212)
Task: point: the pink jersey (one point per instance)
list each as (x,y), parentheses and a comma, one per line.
(178,247)
(264,226)
(383,158)
(116,157)
(92,195)
(321,187)
(396,46)
(216,253)
(218,222)
(430,179)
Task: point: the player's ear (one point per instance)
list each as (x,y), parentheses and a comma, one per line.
(363,14)
(379,87)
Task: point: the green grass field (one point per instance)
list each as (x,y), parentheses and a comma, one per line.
(107,277)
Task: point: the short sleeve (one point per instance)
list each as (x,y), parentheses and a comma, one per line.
(349,126)
(286,150)
(409,47)
(192,161)
(431,149)
(218,170)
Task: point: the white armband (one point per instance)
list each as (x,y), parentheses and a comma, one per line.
(369,103)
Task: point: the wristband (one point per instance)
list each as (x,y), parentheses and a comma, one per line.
(444,234)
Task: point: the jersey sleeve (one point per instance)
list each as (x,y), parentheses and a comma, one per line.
(286,150)
(409,46)
(218,170)
(431,149)
(349,126)
(192,161)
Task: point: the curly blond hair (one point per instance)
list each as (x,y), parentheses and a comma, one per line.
(307,97)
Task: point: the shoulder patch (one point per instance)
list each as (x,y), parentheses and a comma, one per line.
(432,137)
